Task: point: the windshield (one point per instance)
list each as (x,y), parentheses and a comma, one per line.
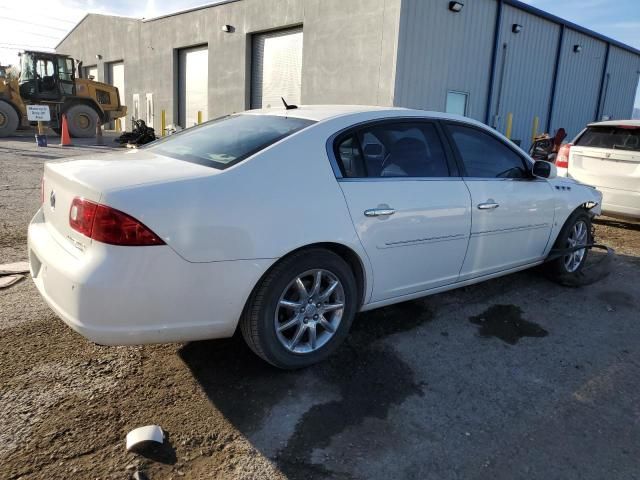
(620,138)
(26,72)
(228,140)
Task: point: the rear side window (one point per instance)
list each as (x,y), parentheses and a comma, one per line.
(228,140)
(403,149)
(485,156)
(619,138)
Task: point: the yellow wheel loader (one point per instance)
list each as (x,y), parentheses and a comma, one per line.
(49,79)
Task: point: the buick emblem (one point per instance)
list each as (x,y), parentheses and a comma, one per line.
(52,200)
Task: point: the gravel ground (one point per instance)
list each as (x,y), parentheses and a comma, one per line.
(444,388)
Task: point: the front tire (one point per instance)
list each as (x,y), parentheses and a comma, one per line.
(302,310)
(82,121)
(567,269)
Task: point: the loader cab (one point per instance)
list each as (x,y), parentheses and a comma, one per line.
(46,76)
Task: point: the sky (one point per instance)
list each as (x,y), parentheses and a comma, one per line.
(41,24)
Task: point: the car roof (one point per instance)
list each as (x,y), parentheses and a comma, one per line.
(319,113)
(615,123)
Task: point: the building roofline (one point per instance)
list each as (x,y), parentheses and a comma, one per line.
(95,15)
(514,3)
(573,26)
(192,9)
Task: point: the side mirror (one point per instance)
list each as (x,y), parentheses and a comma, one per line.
(542,169)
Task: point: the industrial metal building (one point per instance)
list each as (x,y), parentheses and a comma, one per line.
(482,58)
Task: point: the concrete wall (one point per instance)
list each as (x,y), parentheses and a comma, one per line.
(441,51)
(348,53)
(578,83)
(112,39)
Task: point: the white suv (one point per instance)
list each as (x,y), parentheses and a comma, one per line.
(607,156)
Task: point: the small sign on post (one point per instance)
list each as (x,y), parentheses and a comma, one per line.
(39,113)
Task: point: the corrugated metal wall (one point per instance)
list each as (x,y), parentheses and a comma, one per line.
(579,75)
(529,60)
(621,81)
(440,51)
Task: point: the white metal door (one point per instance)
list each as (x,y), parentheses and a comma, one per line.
(193,85)
(512,213)
(116,78)
(512,222)
(419,246)
(276,68)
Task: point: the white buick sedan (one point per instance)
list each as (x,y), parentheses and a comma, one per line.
(289,222)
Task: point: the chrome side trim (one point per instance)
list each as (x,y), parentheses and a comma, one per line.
(507,230)
(419,241)
(398,179)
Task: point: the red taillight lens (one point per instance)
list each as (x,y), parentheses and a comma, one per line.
(108,225)
(562,160)
(81,215)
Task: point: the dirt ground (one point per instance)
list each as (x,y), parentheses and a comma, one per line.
(513,378)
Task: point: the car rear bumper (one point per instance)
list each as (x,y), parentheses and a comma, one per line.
(136,295)
(620,202)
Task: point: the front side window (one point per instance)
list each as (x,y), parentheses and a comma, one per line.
(485,156)
(228,140)
(404,149)
(619,138)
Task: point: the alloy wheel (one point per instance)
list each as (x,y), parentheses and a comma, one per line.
(309,311)
(578,236)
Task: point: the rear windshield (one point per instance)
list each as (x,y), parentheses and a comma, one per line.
(621,138)
(228,140)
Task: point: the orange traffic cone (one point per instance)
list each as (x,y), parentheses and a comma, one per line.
(65,139)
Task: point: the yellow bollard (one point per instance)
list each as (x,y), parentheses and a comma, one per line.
(118,128)
(509,125)
(534,132)
(199,117)
(163,123)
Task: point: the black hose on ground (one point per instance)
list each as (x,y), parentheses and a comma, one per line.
(590,273)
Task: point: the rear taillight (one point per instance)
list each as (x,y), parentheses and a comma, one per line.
(108,225)
(82,215)
(562,159)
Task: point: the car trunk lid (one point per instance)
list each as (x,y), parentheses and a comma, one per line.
(91,178)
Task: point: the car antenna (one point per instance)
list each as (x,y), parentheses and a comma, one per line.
(287,106)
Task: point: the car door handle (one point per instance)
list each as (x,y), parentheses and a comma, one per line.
(488,206)
(379,212)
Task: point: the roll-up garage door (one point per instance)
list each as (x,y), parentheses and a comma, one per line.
(115,74)
(276,68)
(193,85)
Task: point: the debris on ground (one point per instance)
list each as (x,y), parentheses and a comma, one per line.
(139,135)
(8,280)
(149,433)
(14,268)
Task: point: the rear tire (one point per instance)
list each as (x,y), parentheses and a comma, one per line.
(567,270)
(293,318)
(9,119)
(82,121)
